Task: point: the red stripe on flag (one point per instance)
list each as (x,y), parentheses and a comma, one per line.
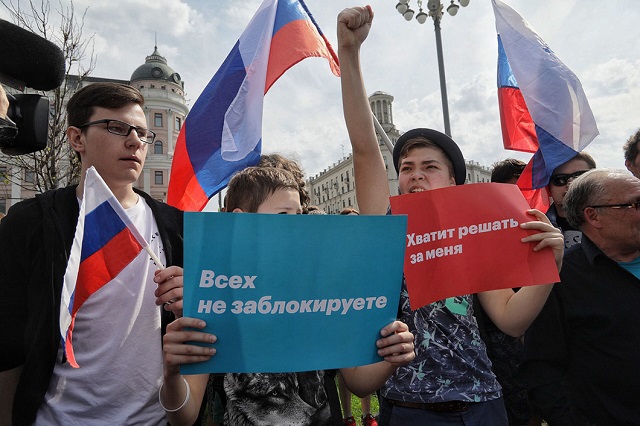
(294,42)
(68,346)
(184,192)
(518,129)
(536,198)
(104,265)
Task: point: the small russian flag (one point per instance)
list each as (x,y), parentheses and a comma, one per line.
(106,241)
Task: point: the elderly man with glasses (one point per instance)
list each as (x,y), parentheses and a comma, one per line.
(117,332)
(559,183)
(582,352)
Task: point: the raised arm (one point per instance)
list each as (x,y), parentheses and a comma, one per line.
(372,187)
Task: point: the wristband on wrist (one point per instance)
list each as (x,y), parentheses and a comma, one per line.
(186,398)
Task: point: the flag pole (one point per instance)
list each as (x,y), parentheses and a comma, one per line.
(382,133)
(155,258)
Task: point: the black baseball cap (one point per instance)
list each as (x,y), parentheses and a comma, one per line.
(443,141)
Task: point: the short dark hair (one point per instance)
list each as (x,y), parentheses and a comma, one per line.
(631,147)
(506,170)
(105,95)
(280,162)
(249,188)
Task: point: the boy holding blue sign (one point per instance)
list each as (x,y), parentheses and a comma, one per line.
(279,398)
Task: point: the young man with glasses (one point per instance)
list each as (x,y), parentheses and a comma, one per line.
(117,334)
(559,184)
(581,353)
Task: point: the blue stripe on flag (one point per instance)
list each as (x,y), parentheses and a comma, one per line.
(552,153)
(505,74)
(288,11)
(100,226)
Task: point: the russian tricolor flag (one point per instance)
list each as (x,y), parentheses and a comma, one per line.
(106,241)
(223,131)
(540,100)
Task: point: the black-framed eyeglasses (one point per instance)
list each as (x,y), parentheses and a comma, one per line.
(635,205)
(121,128)
(561,179)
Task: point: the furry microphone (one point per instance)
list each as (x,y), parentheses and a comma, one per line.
(26,59)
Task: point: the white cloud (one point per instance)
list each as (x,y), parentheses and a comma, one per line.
(303,109)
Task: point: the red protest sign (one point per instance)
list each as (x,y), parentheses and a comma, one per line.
(466,239)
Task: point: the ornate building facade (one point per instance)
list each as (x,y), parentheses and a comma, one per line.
(333,189)
(165,109)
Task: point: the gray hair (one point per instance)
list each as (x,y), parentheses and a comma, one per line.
(588,190)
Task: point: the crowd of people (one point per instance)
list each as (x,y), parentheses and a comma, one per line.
(561,353)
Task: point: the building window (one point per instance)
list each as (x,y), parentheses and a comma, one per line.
(178,123)
(157,147)
(157,119)
(3,205)
(29,177)
(159,178)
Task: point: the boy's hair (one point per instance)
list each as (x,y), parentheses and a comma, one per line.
(422,142)
(631,147)
(313,210)
(280,162)
(349,210)
(251,187)
(504,171)
(430,138)
(106,95)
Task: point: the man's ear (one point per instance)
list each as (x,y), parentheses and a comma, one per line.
(76,138)
(592,217)
(238,210)
(630,165)
(452,181)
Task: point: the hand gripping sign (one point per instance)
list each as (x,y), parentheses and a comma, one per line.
(466,239)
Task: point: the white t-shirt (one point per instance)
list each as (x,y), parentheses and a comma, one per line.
(117,344)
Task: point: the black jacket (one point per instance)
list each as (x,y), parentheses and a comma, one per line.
(582,351)
(35,242)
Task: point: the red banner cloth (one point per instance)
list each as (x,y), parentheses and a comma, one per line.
(466,239)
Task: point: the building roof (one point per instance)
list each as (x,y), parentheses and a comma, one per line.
(156,68)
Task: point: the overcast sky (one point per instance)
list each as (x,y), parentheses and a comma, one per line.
(597,40)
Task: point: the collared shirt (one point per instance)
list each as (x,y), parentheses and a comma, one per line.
(582,352)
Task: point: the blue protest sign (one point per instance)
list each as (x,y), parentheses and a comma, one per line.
(291,293)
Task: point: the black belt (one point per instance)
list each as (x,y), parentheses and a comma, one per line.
(440,407)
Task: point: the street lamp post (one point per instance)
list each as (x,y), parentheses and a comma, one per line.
(435,9)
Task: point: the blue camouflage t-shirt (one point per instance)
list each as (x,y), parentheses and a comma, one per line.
(451,362)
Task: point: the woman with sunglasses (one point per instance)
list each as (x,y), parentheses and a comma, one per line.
(559,183)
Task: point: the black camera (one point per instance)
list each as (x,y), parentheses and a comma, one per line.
(31,115)
(27,60)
